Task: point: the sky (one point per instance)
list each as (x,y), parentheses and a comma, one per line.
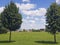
(32,11)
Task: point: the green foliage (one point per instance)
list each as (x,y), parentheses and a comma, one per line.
(52,18)
(11,19)
(2,29)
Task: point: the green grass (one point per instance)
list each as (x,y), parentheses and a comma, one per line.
(29,38)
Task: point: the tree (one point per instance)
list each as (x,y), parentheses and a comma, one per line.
(11,19)
(52,19)
(58,20)
(2,29)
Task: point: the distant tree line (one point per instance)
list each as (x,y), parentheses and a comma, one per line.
(32,30)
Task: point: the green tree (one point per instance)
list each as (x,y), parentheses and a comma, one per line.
(11,19)
(58,19)
(52,19)
(2,29)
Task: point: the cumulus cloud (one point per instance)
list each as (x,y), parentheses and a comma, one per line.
(58,1)
(32,21)
(26,0)
(1,9)
(36,23)
(37,12)
(27,17)
(43,20)
(25,6)
(29,21)
(29,24)
(36,19)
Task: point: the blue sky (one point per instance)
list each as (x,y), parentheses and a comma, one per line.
(33,12)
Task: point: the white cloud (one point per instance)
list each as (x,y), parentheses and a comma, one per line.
(37,12)
(32,21)
(58,1)
(26,0)
(25,6)
(32,24)
(24,20)
(43,20)
(26,9)
(37,19)
(1,9)
(28,21)
(28,24)
(27,17)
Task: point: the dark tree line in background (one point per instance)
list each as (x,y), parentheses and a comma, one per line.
(53,19)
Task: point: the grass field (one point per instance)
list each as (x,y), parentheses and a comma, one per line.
(29,38)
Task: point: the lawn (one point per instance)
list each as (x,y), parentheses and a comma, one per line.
(29,38)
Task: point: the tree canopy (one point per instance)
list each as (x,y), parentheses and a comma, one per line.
(52,19)
(11,18)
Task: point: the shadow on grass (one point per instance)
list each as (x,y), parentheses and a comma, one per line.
(46,42)
(7,41)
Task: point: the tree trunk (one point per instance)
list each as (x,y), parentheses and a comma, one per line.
(54,38)
(10,37)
